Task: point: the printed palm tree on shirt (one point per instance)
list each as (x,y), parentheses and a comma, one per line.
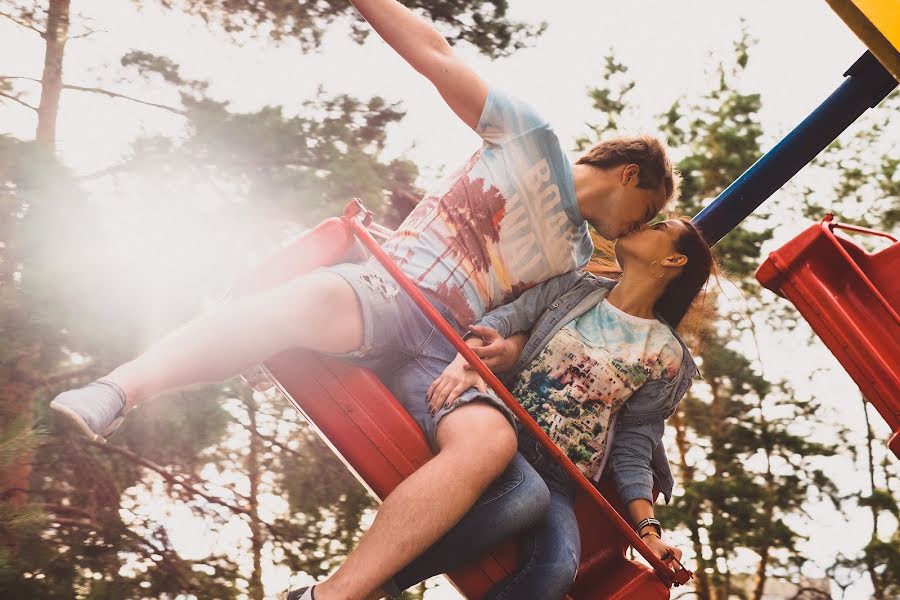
(429,206)
(473,214)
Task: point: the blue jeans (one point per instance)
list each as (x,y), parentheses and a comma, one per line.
(550,550)
(514,502)
(533,499)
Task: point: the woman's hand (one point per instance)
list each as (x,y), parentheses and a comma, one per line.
(662,549)
(498,353)
(455,379)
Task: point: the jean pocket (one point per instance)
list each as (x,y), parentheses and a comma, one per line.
(435,343)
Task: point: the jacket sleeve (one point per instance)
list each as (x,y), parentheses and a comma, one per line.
(522,313)
(630,458)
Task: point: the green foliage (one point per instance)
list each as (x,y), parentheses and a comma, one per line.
(610,100)
(482,24)
(866,190)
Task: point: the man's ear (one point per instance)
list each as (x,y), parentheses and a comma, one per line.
(630,174)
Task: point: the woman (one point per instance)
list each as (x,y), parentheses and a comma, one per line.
(601,369)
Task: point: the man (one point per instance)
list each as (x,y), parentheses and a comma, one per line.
(514,215)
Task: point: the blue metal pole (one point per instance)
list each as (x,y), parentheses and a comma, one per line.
(867,84)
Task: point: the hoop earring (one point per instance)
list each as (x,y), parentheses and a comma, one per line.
(661,270)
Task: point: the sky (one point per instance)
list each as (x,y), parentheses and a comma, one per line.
(670,48)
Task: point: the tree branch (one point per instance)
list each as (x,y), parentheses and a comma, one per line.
(103,92)
(22,102)
(77,522)
(21,23)
(210,162)
(20,77)
(174,480)
(87,33)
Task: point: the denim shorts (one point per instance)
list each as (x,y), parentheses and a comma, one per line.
(404,349)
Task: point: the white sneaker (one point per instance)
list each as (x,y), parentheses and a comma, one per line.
(95,409)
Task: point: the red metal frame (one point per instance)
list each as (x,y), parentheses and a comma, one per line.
(381,444)
(849,297)
(359,218)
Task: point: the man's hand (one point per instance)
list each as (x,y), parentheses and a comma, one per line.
(455,379)
(662,549)
(498,353)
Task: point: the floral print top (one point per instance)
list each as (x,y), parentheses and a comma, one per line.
(587,371)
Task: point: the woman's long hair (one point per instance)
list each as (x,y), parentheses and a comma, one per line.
(682,291)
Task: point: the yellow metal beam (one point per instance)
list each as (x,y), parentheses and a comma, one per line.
(877,24)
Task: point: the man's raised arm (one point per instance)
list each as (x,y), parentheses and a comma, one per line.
(426,50)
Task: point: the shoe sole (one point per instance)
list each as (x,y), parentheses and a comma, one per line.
(82,426)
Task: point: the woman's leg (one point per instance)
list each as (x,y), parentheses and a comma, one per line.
(517,500)
(549,553)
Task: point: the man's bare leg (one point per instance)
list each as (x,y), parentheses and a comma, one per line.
(319,311)
(476,443)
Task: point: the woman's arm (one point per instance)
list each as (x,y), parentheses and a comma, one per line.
(426,50)
(640,509)
(522,313)
(630,459)
(459,375)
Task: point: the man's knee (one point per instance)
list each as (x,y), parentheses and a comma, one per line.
(481,428)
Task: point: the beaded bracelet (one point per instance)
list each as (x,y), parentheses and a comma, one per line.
(650,521)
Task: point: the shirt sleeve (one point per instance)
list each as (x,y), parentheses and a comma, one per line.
(630,459)
(505,117)
(522,313)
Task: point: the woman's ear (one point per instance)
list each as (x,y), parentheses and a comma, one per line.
(676,260)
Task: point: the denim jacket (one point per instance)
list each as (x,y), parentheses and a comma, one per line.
(637,457)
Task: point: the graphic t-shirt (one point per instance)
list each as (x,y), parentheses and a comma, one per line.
(506,221)
(575,386)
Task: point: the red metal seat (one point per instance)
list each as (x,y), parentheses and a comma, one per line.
(850,297)
(381,444)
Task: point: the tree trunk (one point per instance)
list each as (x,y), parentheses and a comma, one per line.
(687,474)
(16,478)
(256,541)
(51,82)
(761,573)
(717,410)
(877,589)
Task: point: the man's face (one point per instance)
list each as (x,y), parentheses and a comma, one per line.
(629,207)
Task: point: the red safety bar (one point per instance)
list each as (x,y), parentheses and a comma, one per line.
(850,298)
(381,444)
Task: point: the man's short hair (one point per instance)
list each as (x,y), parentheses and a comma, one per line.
(645,151)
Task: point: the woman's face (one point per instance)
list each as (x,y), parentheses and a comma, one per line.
(650,243)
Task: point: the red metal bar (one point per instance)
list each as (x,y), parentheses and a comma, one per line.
(358,219)
(829,219)
(828,225)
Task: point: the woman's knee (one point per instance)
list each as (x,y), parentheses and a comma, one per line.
(519,494)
